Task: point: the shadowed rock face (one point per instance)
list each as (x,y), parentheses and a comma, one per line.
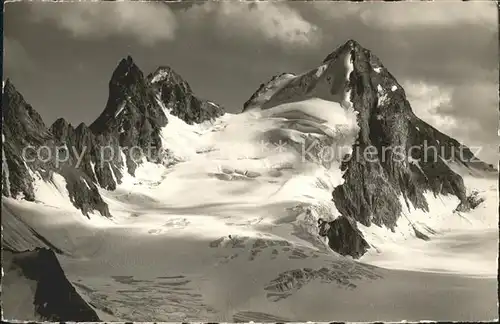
(132,115)
(126,132)
(263,88)
(52,296)
(21,126)
(344,237)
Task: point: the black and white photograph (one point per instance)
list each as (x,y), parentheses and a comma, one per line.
(250,161)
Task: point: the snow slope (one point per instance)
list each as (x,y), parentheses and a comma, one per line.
(167,255)
(227,229)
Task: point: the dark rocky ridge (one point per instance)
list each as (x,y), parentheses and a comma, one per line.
(132,115)
(261,90)
(54,298)
(30,151)
(343,236)
(374,183)
(176,94)
(126,133)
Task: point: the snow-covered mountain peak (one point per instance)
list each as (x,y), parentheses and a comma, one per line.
(161,73)
(179,99)
(166,74)
(130,97)
(321,120)
(266,90)
(127,133)
(329,81)
(348,48)
(355,78)
(227,216)
(349,67)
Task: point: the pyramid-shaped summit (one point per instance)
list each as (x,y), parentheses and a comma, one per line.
(329,81)
(344,49)
(178,97)
(126,78)
(400,172)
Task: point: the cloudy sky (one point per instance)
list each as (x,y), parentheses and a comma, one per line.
(60,56)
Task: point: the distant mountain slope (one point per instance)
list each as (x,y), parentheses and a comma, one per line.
(396,160)
(236,221)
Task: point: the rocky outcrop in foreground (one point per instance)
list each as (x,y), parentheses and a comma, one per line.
(343,236)
(39,289)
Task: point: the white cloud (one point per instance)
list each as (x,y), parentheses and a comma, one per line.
(421,14)
(468,113)
(148,22)
(250,21)
(414,14)
(426,101)
(476,99)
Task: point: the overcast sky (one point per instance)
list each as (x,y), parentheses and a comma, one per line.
(60,56)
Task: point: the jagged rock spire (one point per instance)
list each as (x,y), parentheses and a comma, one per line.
(177,96)
(126,74)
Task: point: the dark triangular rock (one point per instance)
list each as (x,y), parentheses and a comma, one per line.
(344,236)
(177,96)
(53,297)
(133,115)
